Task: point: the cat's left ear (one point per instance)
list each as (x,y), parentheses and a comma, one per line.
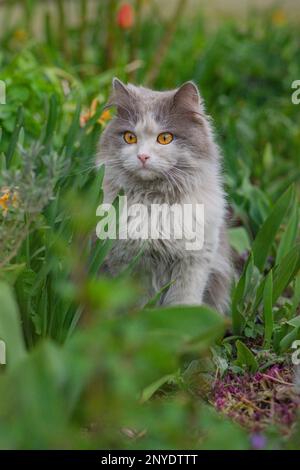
(188,97)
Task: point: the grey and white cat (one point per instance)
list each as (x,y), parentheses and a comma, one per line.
(160,149)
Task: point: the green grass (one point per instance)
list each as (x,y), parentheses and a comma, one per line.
(83,363)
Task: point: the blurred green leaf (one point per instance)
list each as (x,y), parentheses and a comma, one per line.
(10,327)
(149,391)
(239,239)
(188,327)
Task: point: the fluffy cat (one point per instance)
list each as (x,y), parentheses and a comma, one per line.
(159,148)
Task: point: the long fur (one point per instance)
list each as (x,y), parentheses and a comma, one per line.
(186,171)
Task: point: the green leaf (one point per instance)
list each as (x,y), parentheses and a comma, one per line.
(288,339)
(285,272)
(71,136)
(94,191)
(295,322)
(290,235)
(239,239)
(266,235)
(186,327)
(154,300)
(296,296)
(149,391)
(238,295)
(15,137)
(10,326)
(51,121)
(268,311)
(11,272)
(245,357)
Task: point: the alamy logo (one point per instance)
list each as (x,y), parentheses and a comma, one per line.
(152,222)
(296,93)
(2,92)
(296,353)
(2,353)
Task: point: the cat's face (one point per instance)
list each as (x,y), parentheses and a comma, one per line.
(147,148)
(155,135)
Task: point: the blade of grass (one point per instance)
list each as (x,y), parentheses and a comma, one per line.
(289,236)
(238,294)
(71,136)
(267,311)
(266,235)
(51,121)
(15,137)
(285,272)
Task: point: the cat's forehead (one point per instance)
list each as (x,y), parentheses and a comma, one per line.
(148,96)
(152,108)
(147,123)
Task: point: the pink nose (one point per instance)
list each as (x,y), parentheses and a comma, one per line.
(143,158)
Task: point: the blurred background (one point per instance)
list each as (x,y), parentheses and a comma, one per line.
(85,367)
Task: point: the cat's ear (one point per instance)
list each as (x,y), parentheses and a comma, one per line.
(121,98)
(187,97)
(119,88)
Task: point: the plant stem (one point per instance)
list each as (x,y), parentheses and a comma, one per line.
(62,28)
(160,53)
(110,33)
(82,30)
(135,37)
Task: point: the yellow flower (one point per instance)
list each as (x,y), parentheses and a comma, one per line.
(88,114)
(279,17)
(4,202)
(8,198)
(105,116)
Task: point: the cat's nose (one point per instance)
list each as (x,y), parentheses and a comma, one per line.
(143,158)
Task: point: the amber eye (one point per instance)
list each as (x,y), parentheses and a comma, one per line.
(165,138)
(130,137)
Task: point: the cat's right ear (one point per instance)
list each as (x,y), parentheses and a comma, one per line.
(120,98)
(119,87)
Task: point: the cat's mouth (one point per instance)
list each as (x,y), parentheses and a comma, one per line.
(145,173)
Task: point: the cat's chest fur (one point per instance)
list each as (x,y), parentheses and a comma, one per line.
(163,246)
(156,222)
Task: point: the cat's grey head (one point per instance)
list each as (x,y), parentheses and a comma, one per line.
(156,135)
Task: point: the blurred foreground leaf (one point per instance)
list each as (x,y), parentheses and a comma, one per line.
(10,327)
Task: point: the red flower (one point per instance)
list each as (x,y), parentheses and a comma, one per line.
(125,16)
